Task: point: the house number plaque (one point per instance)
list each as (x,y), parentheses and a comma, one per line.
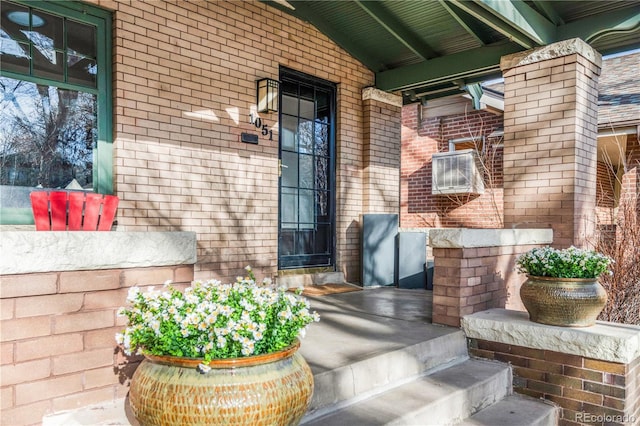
(264,129)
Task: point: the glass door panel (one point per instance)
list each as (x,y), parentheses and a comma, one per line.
(307,126)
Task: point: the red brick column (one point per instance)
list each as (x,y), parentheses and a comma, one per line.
(550,139)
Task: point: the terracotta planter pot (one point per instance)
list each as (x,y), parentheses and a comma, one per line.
(271,389)
(567,302)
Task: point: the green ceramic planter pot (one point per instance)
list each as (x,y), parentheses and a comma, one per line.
(270,389)
(567,302)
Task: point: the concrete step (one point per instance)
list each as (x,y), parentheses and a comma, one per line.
(377,373)
(366,342)
(112,413)
(516,410)
(441,398)
(376,359)
(373,371)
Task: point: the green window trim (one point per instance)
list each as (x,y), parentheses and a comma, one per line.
(103,163)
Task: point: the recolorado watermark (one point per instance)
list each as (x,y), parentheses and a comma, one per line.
(605,418)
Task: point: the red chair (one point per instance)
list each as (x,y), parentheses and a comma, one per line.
(73,211)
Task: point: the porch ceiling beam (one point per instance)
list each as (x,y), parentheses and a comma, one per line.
(441,94)
(432,92)
(481,61)
(465,20)
(513,19)
(475,91)
(592,28)
(305,12)
(548,11)
(394,27)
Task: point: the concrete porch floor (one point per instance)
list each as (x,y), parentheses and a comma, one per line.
(358,325)
(353,327)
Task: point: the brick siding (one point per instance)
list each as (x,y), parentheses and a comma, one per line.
(184,80)
(616,189)
(579,385)
(58,349)
(630,188)
(381,157)
(420,140)
(469,280)
(550,130)
(605,186)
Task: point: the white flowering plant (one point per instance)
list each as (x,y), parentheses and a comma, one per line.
(567,263)
(211,320)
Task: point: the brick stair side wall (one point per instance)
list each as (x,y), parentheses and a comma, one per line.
(585,389)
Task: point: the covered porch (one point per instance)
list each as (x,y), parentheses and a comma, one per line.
(377,355)
(200,179)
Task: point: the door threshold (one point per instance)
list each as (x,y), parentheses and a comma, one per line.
(305,271)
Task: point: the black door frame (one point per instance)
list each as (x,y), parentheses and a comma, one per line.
(307,261)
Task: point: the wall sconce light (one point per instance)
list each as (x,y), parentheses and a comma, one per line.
(267,94)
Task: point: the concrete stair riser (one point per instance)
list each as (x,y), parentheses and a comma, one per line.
(376,374)
(445,397)
(298,280)
(513,410)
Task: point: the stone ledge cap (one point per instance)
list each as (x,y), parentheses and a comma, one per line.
(470,238)
(551,51)
(381,96)
(604,341)
(25,252)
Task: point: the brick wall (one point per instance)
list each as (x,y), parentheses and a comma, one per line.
(617,189)
(468,280)
(605,186)
(57,338)
(630,188)
(421,139)
(580,386)
(550,131)
(381,157)
(184,80)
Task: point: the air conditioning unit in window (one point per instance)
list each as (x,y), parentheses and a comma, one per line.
(457,172)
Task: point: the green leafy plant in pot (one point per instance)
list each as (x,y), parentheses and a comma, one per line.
(218,353)
(562,285)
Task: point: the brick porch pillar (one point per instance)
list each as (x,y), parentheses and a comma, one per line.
(550,139)
(474,269)
(381,177)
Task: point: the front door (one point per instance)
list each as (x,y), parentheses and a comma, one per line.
(307,179)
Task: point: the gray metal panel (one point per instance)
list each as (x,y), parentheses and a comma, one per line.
(412,256)
(429,271)
(378,249)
